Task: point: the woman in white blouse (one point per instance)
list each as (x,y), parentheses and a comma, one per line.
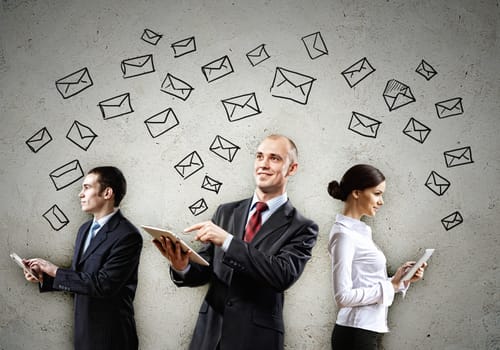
(363,291)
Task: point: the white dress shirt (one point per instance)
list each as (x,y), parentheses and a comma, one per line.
(363,291)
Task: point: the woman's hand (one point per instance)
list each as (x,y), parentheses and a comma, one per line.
(401,271)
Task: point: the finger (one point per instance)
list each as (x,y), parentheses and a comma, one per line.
(195,227)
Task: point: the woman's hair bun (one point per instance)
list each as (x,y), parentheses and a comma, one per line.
(335,190)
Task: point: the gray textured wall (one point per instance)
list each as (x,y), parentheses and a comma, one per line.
(456,306)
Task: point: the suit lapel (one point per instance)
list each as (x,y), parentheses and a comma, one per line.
(80,238)
(240,217)
(277,220)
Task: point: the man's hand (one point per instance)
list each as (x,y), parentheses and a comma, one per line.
(42,266)
(208,232)
(173,252)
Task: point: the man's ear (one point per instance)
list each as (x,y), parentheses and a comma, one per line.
(292,168)
(108,193)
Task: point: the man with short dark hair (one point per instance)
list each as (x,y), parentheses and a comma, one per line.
(103,274)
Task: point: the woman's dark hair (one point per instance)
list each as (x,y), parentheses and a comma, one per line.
(109,176)
(358,177)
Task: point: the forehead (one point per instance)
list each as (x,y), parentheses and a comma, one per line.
(90,180)
(380,186)
(274,146)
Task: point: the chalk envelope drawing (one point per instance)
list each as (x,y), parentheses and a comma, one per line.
(151,37)
(315,45)
(459,156)
(189,165)
(74,83)
(224,148)
(162,122)
(437,184)
(217,69)
(357,72)
(198,207)
(449,108)
(364,125)
(81,135)
(397,95)
(66,174)
(183,47)
(291,85)
(452,220)
(39,140)
(241,107)
(176,87)
(116,106)
(416,130)
(211,184)
(426,70)
(56,218)
(136,66)
(258,55)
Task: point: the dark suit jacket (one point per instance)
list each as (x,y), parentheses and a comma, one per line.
(243,308)
(104,280)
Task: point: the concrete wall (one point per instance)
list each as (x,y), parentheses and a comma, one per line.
(456,306)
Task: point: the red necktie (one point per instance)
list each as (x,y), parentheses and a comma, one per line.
(255,221)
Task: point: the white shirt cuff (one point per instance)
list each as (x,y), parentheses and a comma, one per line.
(227,242)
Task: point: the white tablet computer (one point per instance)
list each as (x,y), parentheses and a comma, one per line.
(17,259)
(409,274)
(159,232)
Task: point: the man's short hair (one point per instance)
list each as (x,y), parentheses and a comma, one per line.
(110,176)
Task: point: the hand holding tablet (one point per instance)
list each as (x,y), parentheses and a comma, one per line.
(423,259)
(17,259)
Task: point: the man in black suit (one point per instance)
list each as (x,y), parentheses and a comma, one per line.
(103,274)
(243,308)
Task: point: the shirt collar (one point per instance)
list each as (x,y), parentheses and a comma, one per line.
(272,204)
(103,221)
(354,224)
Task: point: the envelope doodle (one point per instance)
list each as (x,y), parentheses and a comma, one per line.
(217,69)
(357,72)
(151,37)
(291,85)
(397,94)
(176,87)
(134,67)
(199,207)
(183,47)
(66,175)
(452,220)
(426,70)
(162,122)
(39,140)
(224,148)
(315,45)
(74,83)
(416,130)
(116,106)
(189,165)
(258,55)
(241,107)
(364,125)
(81,135)
(437,184)
(56,218)
(210,184)
(449,108)
(459,156)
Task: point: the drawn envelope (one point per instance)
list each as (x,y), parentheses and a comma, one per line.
(162,122)
(66,175)
(224,148)
(39,140)
(133,67)
(452,220)
(151,37)
(449,108)
(364,125)
(459,156)
(116,106)
(56,218)
(81,135)
(241,107)
(397,94)
(291,85)
(437,184)
(184,47)
(217,69)
(189,165)
(315,45)
(176,87)
(210,184)
(426,70)
(74,83)
(357,72)
(258,55)
(416,130)
(200,206)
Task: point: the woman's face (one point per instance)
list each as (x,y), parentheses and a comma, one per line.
(370,199)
